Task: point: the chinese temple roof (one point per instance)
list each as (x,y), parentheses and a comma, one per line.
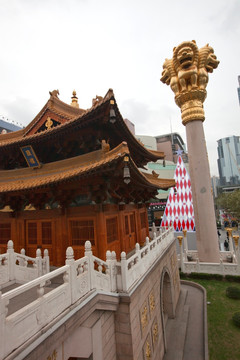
(56,119)
(73,169)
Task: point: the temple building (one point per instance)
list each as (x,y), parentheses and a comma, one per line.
(73,175)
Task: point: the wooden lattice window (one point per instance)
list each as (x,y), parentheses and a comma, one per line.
(5,232)
(143,220)
(46,232)
(112,229)
(81,231)
(32,233)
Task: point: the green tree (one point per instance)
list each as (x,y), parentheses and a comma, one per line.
(230,202)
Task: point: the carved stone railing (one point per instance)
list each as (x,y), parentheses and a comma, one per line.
(155,229)
(79,278)
(20,268)
(211,268)
(229,260)
(132,269)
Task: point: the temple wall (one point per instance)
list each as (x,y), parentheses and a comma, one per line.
(61,235)
(140,318)
(89,334)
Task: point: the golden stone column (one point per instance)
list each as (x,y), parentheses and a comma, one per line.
(187,75)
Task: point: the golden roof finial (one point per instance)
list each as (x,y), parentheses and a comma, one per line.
(74,99)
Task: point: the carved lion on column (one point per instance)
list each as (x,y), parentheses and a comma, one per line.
(185,61)
(188,69)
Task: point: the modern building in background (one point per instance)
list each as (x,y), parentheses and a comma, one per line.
(229,162)
(238,89)
(215,185)
(7,126)
(170,144)
(130,125)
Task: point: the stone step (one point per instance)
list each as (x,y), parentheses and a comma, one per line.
(176,330)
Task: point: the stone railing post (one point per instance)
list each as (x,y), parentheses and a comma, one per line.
(147,244)
(111,262)
(236,241)
(11,260)
(72,280)
(198,266)
(140,268)
(89,254)
(39,262)
(221,267)
(46,264)
(180,238)
(22,261)
(154,229)
(124,270)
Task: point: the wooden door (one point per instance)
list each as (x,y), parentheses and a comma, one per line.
(39,234)
(130,231)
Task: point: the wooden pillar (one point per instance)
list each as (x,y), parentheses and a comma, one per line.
(101,233)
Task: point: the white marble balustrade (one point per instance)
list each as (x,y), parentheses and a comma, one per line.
(21,268)
(78,278)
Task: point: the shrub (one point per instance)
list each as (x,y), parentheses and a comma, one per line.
(233,292)
(234,278)
(236,319)
(217,277)
(205,276)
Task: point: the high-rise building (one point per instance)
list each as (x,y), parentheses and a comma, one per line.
(238,89)
(229,161)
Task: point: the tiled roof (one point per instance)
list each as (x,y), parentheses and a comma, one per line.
(164,184)
(27,178)
(78,118)
(57,106)
(65,170)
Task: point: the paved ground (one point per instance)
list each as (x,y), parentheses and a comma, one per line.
(185,333)
(191,236)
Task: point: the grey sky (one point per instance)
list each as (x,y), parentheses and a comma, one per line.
(91,46)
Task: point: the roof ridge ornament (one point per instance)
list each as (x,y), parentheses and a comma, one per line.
(96,100)
(74,98)
(105,146)
(54,93)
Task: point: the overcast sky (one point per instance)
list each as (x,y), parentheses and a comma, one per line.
(94,45)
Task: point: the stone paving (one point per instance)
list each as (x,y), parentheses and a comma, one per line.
(187,333)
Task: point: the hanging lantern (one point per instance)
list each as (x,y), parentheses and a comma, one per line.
(126,171)
(112,115)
